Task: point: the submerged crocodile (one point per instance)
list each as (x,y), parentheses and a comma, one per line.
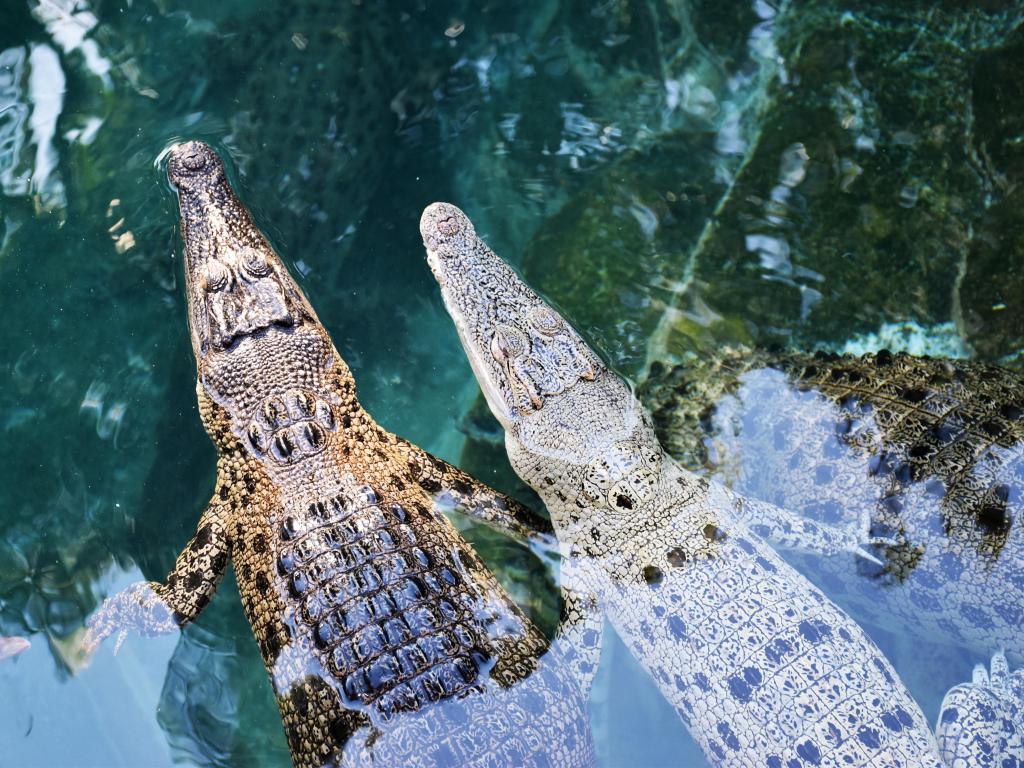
(762,668)
(928,453)
(386,638)
(981,724)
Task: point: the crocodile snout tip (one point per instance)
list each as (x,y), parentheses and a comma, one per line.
(191,159)
(443,223)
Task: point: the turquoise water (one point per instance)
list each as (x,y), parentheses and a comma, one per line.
(672,174)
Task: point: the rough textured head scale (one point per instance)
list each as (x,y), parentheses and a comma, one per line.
(522,351)
(194,164)
(237,286)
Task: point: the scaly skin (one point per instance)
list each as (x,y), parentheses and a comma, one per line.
(386,638)
(761,666)
(927,452)
(981,724)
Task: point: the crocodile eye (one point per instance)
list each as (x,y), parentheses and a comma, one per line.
(255,263)
(215,276)
(507,343)
(547,321)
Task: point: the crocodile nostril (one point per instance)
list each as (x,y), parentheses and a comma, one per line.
(448,226)
(194,161)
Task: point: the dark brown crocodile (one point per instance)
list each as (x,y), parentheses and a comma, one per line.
(386,638)
(926,453)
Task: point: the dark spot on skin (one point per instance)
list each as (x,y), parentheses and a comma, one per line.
(250,484)
(653,576)
(223,493)
(914,395)
(678,629)
(809,752)
(814,630)
(712,532)
(301,701)
(739,689)
(921,451)
(202,538)
(259,544)
(868,737)
(193,581)
(623,502)
(274,644)
(883,358)
(992,428)
(893,504)
(262,583)
(809,372)
(993,518)
(341,729)
(676,557)
(1011,411)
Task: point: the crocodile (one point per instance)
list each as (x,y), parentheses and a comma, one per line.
(981,723)
(385,637)
(762,668)
(926,452)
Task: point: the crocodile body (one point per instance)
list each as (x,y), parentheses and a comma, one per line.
(928,453)
(385,637)
(762,668)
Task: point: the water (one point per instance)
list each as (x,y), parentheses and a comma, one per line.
(672,175)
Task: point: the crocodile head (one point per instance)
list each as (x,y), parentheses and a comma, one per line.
(573,429)
(261,354)
(237,286)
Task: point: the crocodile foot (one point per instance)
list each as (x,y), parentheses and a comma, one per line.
(138,607)
(981,723)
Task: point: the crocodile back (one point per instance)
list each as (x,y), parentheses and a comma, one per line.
(928,453)
(388,641)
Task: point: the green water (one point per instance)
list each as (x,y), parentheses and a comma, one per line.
(672,174)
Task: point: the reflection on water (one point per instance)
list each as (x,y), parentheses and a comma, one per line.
(682,172)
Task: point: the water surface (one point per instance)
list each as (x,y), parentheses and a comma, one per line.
(671,174)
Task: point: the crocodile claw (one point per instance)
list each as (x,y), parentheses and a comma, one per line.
(139,607)
(861,552)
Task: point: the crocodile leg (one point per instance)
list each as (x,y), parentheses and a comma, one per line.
(580,632)
(152,608)
(451,488)
(981,723)
(787,530)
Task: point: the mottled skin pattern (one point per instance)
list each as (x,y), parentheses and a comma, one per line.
(928,453)
(981,724)
(386,638)
(761,666)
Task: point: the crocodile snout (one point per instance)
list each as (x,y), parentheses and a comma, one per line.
(193,161)
(444,223)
